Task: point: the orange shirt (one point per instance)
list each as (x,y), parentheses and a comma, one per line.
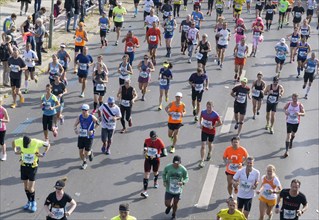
(291,3)
(176,113)
(237,158)
(130,43)
(153,35)
(79,38)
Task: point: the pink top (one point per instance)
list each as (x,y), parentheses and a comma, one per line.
(2,124)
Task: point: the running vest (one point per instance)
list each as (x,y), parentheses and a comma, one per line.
(53,70)
(169,27)
(103,24)
(2,124)
(303,50)
(79,38)
(291,117)
(273,98)
(176,112)
(241,50)
(203,47)
(99,86)
(127,96)
(124,75)
(311,65)
(267,186)
(62,58)
(144,71)
(86,125)
(295,38)
(257,89)
(240,29)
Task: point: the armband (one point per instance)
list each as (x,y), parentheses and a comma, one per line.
(98,122)
(43,154)
(163,153)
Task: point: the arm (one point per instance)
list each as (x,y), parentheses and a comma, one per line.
(302,111)
(130,70)
(167,108)
(71,209)
(6,118)
(134,95)
(119,93)
(77,121)
(206,83)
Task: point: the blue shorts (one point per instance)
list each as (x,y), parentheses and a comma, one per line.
(293,44)
(302,59)
(168,35)
(166,87)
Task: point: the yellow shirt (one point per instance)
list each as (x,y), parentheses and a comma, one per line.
(119,14)
(239,4)
(29,155)
(238,215)
(128,218)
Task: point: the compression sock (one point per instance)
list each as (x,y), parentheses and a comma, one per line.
(102,42)
(156,177)
(291,140)
(100,103)
(145,183)
(287,145)
(308,89)
(94,105)
(28,194)
(298,70)
(32,195)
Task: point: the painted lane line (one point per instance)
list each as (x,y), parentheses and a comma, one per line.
(22,127)
(208,187)
(227,120)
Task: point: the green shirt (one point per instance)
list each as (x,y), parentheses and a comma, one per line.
(283,5)
(171,176)
(119,218)
(119,14)
(29,155)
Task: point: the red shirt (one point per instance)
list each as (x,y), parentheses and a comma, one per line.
(153,147)
(130,43)
(153,35)
(209,120)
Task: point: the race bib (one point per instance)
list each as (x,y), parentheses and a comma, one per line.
(246,186)
(169,28)
(100,87)
(207,124)
(272,99)
(176,115)
(78,39)
(258,3)
(256,93)
(143,74)
(294,40)
(233,167)
(163,82)
(304,32)
(14,68)
(129,49)
(256,34)
(219,6)
(83,66)
(237,6)
(47,105)
(310,69)
(289,214)
(54,70)
(173,186)
(103,26)
(282,6)
(293,119)
(240,54)
(302,53)
(199,56)
(199,87)
(125,103)
(185,28)
(270,11)
(311,7)
(58,212)
(28,158)
(194,42)
(241,98)
(151,152)
(166,13)
(298,14)
(153,38)
(119,16)
(83,132)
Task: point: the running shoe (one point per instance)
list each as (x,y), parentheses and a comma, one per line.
(172,150)
(290,144)
(236,126)
(82,95)
(201,164)
(304,86)
(61,120)
(189,60)
(221,66)
(156,185)
(91,156)
(173,216)
(123,131)
(194,111)
(218,62)
(257,112)
(236,75)
(108,151)
(144,194)
(55,131)
(116,43)
(130,124)
(267,127)
(33,207)
(3,157)
(271,130)
(27,206)
(160,107)
(103,149)
(84,166)
(209,156)
(93,112)
(185,9)
(168,209)
(166,99)
(13,105)
(26,91)
(306,96)
(172,139)
(196,118)
(21,99)
(254,117)
(285,155)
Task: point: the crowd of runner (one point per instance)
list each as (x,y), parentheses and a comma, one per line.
(243,179)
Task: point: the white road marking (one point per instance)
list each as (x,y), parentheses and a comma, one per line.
(243,74)
(227,120)
(208,187)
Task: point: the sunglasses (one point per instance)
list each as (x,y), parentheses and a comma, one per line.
(58,188)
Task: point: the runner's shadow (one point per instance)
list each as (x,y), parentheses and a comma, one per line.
(10,213)
(135,177)
(314,171)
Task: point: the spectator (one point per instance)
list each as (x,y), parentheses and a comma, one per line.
(37,5)
(57,9)
(41,14)
(27,30)
(9,21)
(82,10)
(76,12)
(69,8)
(11,32)
(25,4)
(39,36)
(5,52)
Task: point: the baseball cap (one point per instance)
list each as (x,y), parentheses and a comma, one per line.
(59,184)
(62,45)
(179,94)
(244,79)
(275,79)
(177,159)
(85,107)
(153,134)
(165,64)
(282,40)
(111,99)
(125,207)
(119,3)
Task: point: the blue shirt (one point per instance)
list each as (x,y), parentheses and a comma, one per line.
(47,103)
(303,50)
(103,23)
(86,125)
(311,65)
(282,50)
(197,16)
(167,73)
(198,81)
(83,63)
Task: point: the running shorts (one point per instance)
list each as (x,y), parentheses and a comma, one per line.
(149,163)
(292,128)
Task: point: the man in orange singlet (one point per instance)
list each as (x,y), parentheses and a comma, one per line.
(80,37)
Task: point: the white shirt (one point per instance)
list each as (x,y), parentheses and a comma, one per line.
(192,33)
(150,19)
(148,5)
(107,114)
(28,56)
(245,190)
(223,37)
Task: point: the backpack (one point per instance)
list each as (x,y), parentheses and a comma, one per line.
(4,52)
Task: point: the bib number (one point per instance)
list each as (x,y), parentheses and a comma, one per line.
(83,66)
(194,42)
(125,103)
(58,212)
(100,87)
(246,186)
(151,152)
(176,115)
(78,39)
(241,98)
(129,49)
(28,158)
(103,26)
(173,186)
(289,214)
(256,93)
(233,167)
(272,99)
(207,124)
(163,82)
(199,56)
(153,38)
(199,87)
(62,62)
(83,132)
(144,75)
(14,68)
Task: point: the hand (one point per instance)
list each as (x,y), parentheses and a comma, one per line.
(193,85)
(235,185)
(51,108)
(299,212)
(258,192)
(271,92)
(76,131)
(50,214)
(180,183)
(206,88)
(67,214)
(91,132)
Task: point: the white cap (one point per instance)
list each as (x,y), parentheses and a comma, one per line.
(282,40)
(119,3)
(85,107)
(179,94)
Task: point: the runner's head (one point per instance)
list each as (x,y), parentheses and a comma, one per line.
(81,25)
(111,101)
(196,8)
(243,81)
(54,58)
(235,142)
(295,185)
(85,50)
(153,135)
(178,96)
(62,46)
(305,21)
(209,106)
(282,41)
(204,37)
(129,33)
(125,58)
(240,21)
(99,66)
(193,24)
(154,24)
(220,19)
(8,38)
(26,141)
(199,71)
(167,65)
(13,16)
(271,170)
(177,160)
(225,24)
(151,12)
(275,80)
(124,210)
(250,162)
(259,20)
(313,55)
(15,52)
(188,17)
(299,3)
(28,46)
(232,204)
(85,109)
(294,97)
(119,4)
(99,58)
(39,21)
(269,2)
(260,75)
(60,184)
(48,88)
(103,14)
(243,41)
(127,83)
(56,78)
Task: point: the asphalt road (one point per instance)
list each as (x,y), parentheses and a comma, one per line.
(111,180)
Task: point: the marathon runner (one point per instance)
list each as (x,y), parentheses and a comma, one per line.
(257,93)
(100,79)
(234,156)
(274,92)
(148,21)
(127,96)
(246,181)
(283,6)
(237,8)
(131,43)
(64,59)
(85,61)
(55,203)
(125,70)
(148,5)
(297,11)
(192,40)
(292,199)
(294,41)
(310,68)
(28,149)
(289,10)
(240,93)
(4,118)
(257,29)
(270,187)
(166,9)
(81,38)
(259,7)
(293,111)
(118,14)
(104,24)
(165,76)
(282,50)
(145,67)
(154,149)
(59,90)
(311,4)
(88,123)
(154,38)
(177,5)
(197,17)
(30,57)
(198,82)
(270,11)
(240,54)
(208,121)
(109,113)
(217,28)
(169,26)
(303,49)
(219,6)
(176,111)
(223,38)
(231,212)
(124,211)
(240,29)
(112,5)
(305,29)
(175,176)
(183,29)
(54,68)
(202,55)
